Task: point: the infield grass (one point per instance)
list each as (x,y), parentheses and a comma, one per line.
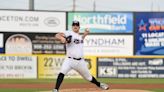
(106,80)
(157,90)
(21,90)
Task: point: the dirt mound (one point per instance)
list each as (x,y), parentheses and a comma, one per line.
(98,90)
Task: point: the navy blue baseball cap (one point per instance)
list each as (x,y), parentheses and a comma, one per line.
(75,22)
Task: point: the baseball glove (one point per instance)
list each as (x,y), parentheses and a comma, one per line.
(68,39)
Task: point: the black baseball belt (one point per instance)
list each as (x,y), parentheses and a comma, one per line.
(75,58)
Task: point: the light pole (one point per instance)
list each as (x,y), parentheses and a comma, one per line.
(31,5)
(94,5)
(155,5)
(74,5)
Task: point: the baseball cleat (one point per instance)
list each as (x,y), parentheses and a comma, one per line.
(54,90)
(104,86)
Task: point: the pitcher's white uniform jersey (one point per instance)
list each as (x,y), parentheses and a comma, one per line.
(75,48)
(75,56)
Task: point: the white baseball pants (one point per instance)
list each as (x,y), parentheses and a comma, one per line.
(78,65)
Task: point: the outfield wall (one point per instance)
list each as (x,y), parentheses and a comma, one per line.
(48,66)
(115,48)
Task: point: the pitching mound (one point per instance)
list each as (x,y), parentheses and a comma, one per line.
(98,90)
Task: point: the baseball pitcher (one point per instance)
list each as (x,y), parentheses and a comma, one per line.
(75,56)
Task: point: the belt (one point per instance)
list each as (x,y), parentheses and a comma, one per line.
(75,58)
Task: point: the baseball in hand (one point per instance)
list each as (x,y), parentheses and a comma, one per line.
(63,40)
(86,31)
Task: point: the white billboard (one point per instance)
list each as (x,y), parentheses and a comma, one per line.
(30,21)
(18,67)
(108,45)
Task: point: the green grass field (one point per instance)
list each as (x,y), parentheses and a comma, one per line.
(106,80)
(22,90)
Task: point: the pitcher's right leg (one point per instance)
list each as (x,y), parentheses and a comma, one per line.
(64,70)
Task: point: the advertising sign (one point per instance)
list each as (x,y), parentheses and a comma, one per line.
(1,40)
(30,21)
(99,22)
(33,43)
(49,67)
(18,44)
(130,67)
(108,45)
(1,43)
(149,33)
(18,67)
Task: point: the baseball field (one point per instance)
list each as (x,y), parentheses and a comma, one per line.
(80,85)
